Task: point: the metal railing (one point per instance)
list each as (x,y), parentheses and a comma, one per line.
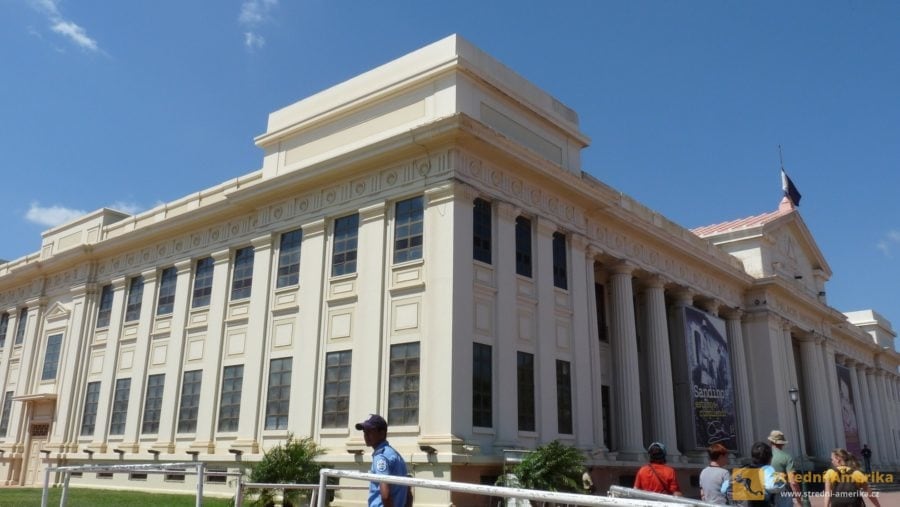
(314,488)
(498,491)
(623,492)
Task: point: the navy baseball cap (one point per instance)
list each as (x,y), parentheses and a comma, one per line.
(374,422)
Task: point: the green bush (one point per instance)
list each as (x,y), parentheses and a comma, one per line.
(553,467)
(293,462)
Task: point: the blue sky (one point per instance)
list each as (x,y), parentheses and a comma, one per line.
(128,104)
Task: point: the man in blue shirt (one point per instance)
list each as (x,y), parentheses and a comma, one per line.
(385,461)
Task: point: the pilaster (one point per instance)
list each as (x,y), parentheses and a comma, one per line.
(628,422)
(507,326)
(834,398)
(131,438)
(815,399)
(735,335)
(659,362)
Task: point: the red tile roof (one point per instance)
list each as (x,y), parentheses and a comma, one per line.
(784,208)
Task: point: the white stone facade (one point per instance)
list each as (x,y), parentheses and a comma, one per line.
(444,126)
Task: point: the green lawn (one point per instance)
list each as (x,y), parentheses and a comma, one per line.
(31,497)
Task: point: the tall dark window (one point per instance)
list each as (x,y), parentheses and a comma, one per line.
(203,280)
(346,235)
(408,221)
(51,357)
(153,403)
(403,389)
(525,384)
(278,401)
(482,386)
(120,407)
(481,231)
(289,259)
(242,273)
(21,325)
(230,404)
(91,402)
(564,397)
(190,401)
(105,309)
(560,277)
(523,246)
(4,324)
(600,298)
(135,295)
(165,302)
(336,400)
(4,418)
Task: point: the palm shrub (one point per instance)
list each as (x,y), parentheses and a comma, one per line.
(291,462)
(552,467)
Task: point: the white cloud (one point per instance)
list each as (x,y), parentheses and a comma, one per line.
(253,14)
(51,216)
(254,41)
(76,34)
(888,242)
(131,208)
(67,28)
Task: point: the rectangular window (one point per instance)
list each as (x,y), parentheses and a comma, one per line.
(403,390)
(346,235)
(51,357)
(120,407)
(408,221)
(481,231)
(21,325)
(523,246)
(336,399)
(190,401)
(203,279)
(564,397)
(4,324)
(230,404)
(289,259)
(135,295)
(525,384)
(153,403)
(4,418)
(482,386)
(600,299)
(560,277)
(105,309)
(242,273)
(165,303)
(91,402)
(279,396)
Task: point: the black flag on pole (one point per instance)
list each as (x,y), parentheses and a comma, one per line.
(790,191)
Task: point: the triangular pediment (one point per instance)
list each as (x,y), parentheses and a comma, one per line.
(57,312)
(793,249)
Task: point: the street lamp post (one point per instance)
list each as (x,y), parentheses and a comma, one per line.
(795,397)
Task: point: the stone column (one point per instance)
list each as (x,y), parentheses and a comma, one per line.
(744,417)
(857,403)
(110,366)
(165,441)
(890,453)
(814,399)
(866,402)
(256,349)
(582,284)
(595,364)
(659,362)
(835,397)
(74,360)
(626,408)
(877,410)
(507,326)
(545,352)
(131,438)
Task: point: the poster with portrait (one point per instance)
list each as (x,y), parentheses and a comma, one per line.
(848,409)
(711,385)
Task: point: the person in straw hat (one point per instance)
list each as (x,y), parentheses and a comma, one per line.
(783,463)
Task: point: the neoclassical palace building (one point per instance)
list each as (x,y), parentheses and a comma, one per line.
(422,242)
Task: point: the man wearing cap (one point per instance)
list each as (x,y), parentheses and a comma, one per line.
(783,464)
(385,461)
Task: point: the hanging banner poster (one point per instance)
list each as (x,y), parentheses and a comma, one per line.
(848,409)
(711,387)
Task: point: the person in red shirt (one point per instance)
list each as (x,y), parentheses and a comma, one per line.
(656,476)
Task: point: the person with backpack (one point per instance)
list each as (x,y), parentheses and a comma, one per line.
(656,476)
(385,461)
(760,484)
(845,484)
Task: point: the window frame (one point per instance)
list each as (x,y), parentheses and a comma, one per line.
(278,394)
(524,247)
(409,229)
(482,385)
(525,391)
(52,353)
(121,396)
(336,389)
(4,328)
(189,402)
(165,299)
(560,261)
(5,414)
(407,412)
(21,325)
(153,403)
(345,245)
(201,292)
(482,230)
(91,407)
(564,413)
(242,274)
(289,254)
(104,306)
(135,299)
(230,413)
